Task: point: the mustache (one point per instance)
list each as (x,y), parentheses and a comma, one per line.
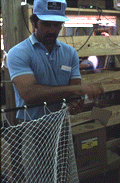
(52,35)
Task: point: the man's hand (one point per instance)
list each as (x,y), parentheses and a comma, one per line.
(93,91)
(76,106)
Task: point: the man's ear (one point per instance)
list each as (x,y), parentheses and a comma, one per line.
(33,26)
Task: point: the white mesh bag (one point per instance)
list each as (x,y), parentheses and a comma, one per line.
(39,151)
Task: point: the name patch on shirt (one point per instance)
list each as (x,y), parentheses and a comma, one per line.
(65,68)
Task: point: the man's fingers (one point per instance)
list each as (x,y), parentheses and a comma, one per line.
(94,90)
(76,106)
(102,89)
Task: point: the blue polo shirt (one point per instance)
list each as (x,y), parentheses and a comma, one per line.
(53,69)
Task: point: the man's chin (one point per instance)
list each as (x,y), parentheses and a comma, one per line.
(50,41)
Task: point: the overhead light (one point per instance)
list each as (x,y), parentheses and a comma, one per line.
(78,25)
(89,20)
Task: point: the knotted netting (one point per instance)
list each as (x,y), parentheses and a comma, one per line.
(39,151)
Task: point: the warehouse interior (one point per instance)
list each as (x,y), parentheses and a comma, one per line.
(93,30)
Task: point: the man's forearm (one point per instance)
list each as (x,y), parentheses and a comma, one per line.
(32,93)
(40,93)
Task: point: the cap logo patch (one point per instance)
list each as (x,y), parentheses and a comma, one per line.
(54,6)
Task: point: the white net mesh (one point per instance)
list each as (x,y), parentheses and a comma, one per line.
(39,151)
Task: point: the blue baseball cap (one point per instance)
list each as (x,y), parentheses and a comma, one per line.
(50,10)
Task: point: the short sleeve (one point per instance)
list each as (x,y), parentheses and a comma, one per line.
(75,72)
(18,62)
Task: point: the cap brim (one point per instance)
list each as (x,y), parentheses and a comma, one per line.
(56,18)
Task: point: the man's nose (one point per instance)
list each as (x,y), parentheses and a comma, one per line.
(52,29)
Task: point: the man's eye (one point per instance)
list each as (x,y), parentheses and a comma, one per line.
(47,25)
(57,25)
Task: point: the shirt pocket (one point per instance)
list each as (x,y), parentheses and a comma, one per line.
(63,77)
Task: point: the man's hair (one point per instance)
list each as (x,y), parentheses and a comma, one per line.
(34,18)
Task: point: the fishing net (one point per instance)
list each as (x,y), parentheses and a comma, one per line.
(39,151)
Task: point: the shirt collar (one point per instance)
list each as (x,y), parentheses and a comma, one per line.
(34,40)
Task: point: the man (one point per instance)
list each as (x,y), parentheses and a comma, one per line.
(44,69)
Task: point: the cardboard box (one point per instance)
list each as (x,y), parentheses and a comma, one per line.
(90,140)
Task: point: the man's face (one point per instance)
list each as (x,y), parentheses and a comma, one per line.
(47,31)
